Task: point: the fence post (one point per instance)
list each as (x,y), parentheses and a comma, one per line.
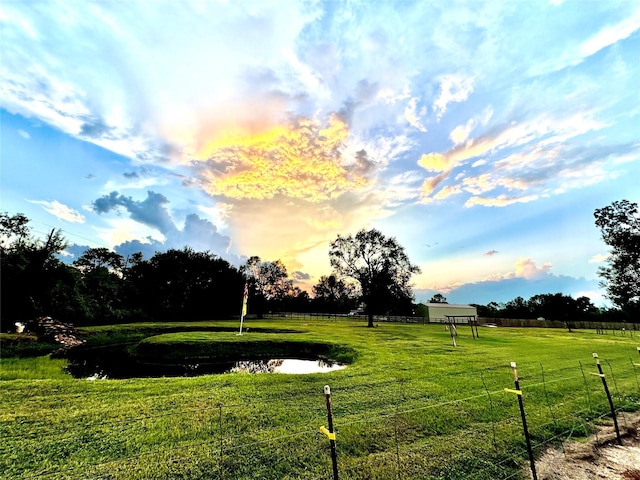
(330,433)
(518,392)
(453,331)
(606,390)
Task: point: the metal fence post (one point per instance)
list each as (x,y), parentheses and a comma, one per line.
(518,392)
(330,433)
(606,390)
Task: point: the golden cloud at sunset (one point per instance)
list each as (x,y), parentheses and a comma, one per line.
(305,160)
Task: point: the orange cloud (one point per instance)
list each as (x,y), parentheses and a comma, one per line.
(305,160)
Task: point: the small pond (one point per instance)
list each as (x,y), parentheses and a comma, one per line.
(119,363)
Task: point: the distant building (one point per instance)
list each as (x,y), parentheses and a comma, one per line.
(442,312)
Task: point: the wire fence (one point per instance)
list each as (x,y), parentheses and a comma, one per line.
(616,328)
(384,429)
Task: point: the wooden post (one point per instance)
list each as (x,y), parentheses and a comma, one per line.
(452,330)
(606,390)
(330,433)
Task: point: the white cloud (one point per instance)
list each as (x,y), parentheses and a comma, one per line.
(134,184)
(453,88)
(413,116)
(461,133)
(499,201)
(599,258)
(523,268)
(597,298)
(61,211)
(610,35)
(479,163)
(120,230)
(24,134)
(219,213)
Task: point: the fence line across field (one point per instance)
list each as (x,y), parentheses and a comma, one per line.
(220,441)
(615,328)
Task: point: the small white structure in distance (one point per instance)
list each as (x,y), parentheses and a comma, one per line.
(441,312)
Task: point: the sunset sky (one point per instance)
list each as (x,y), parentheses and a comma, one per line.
(482,135)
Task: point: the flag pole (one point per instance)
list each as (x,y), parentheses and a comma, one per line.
(243,312)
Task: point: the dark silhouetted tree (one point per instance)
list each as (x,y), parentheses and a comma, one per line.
(186,285)
(380,266)
(103,285)
(438,298)
(517,308)
(34,282)
(270,284)
(332,294)
(94,258)
(619,224)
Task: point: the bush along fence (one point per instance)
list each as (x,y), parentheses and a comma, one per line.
(483,425)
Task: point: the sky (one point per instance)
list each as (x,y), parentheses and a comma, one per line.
(481,135)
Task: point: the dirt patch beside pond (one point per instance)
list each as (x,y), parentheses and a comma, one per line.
(598,457)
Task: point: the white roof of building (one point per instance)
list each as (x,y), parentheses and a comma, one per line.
(447,305)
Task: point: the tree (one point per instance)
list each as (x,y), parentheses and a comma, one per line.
(94,258)
(102,284)
(619,224)
(517,308)
(332,294)
(185,285)
(34,282)
(381,267)
(438,298)
(13,229)
(270,284)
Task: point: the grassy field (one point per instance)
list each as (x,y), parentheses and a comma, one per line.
(408,406)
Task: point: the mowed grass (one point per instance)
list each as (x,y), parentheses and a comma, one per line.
(409,406)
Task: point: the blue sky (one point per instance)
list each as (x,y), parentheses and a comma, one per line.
(482,135)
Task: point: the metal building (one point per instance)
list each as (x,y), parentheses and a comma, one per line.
(446,312)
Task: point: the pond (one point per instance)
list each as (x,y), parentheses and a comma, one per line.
(119,363)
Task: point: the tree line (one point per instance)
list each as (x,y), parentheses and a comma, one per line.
(370,272)
(551,306)
(104,287)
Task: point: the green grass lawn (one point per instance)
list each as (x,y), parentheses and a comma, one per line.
(409,405)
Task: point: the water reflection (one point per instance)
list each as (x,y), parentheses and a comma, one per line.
(99,364)
(286,365)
